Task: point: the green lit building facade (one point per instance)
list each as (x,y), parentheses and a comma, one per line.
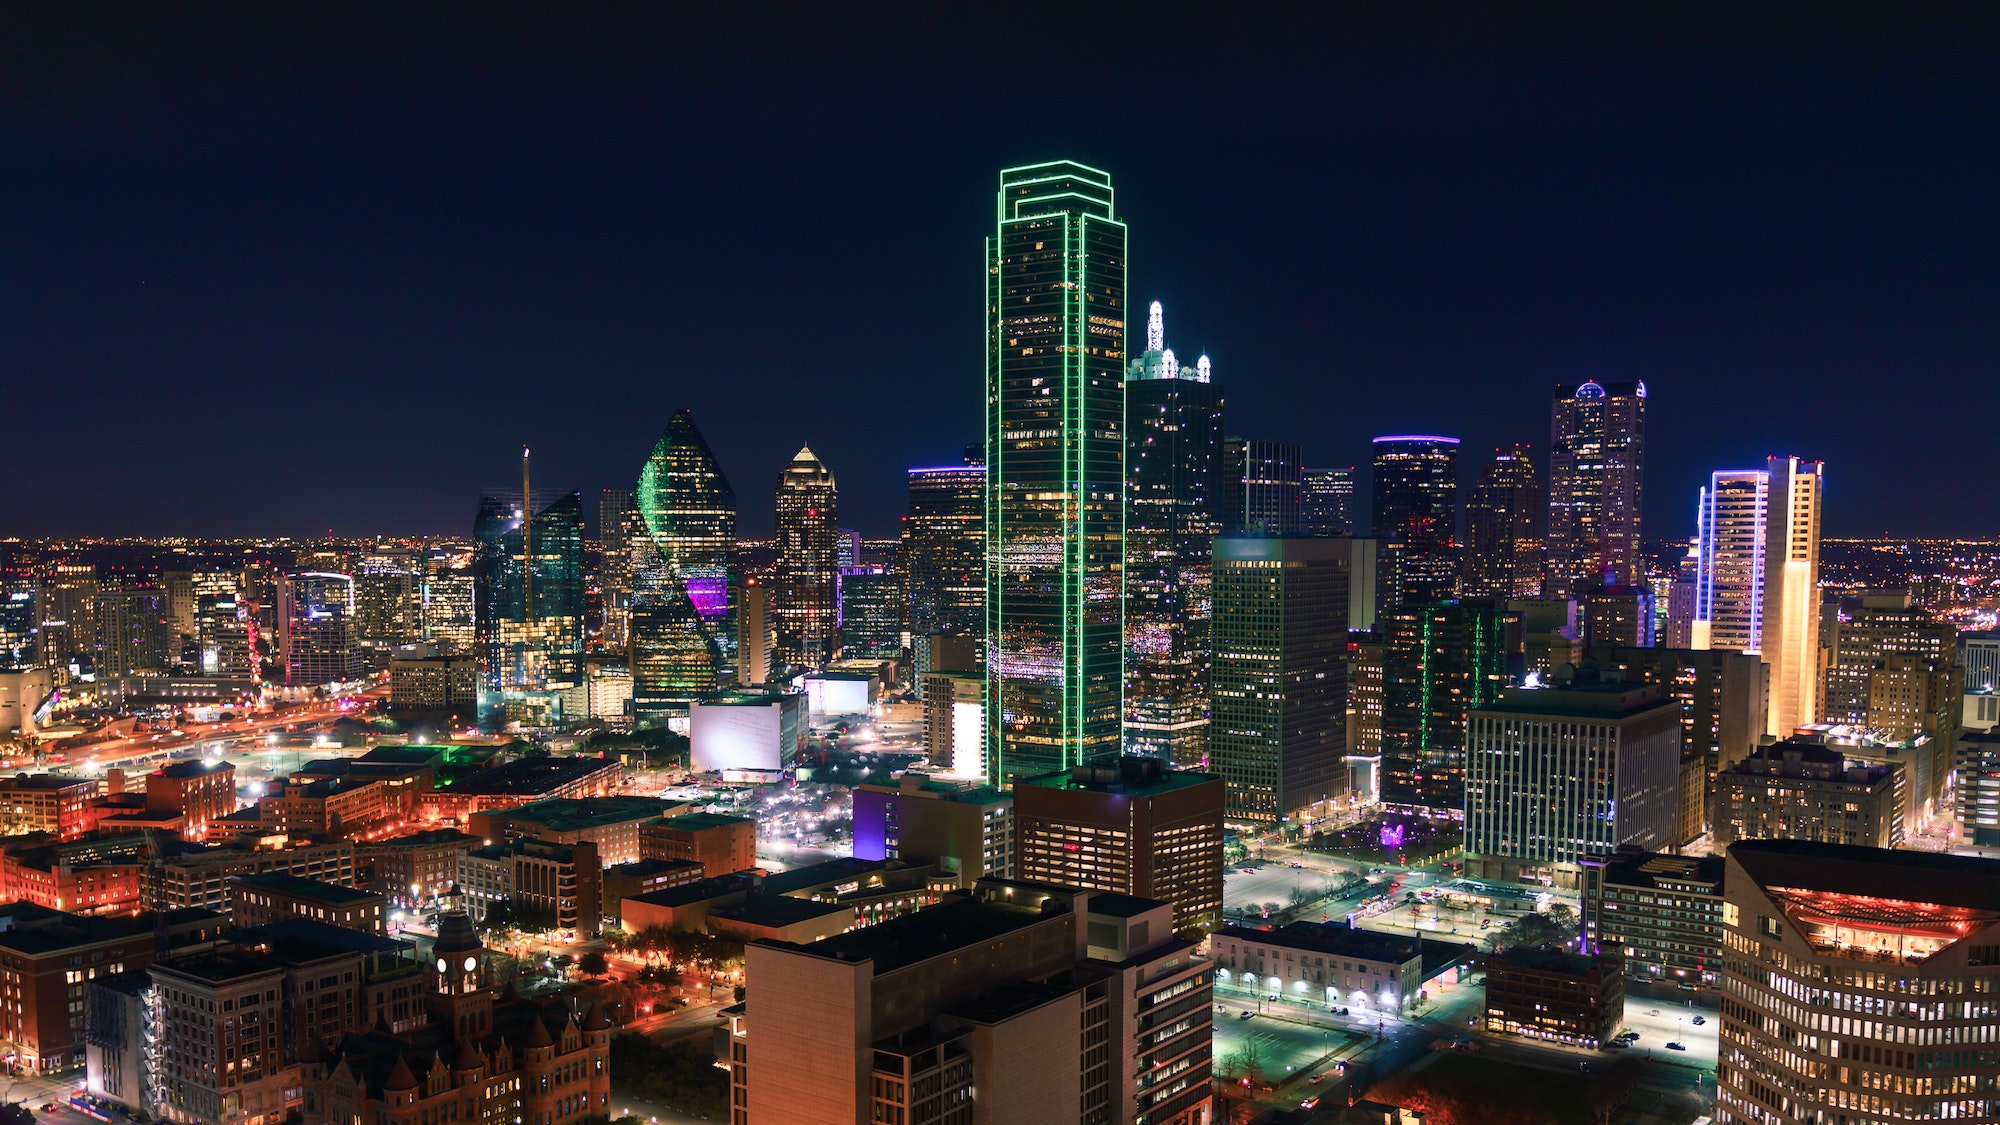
(1439,661)
(528,612)
(683,620)
(1055,365)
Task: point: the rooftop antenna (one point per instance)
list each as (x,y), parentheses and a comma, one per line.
(527,545)
(1156,331)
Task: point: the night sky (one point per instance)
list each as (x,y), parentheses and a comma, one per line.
(266,270)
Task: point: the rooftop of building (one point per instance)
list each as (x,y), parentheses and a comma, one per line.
(301,936)
(644,868)
(404,755)
(831,871)
(528,776)
(698,821)
(221,966)
(1332,937)
(954,924)
(1128,774)
(1849,869)
(1011,1000)
(294,886)
(1635,868)
(193,768)
(572,814)
(1111,904)
(1583,698)
(45,782)
(701,890)
(36,929)
(1563,961)
(427,838)
(775,911)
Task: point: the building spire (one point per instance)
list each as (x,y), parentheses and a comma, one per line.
(1156,329)
(1201,369)
(1170,368)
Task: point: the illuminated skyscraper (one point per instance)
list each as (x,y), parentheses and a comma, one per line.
(944,551)
(1279,729)
(1416,511)
(1758,588)
(683,630)
(1055,365)
(450,619)
(1597,463)
(1257,492)
(1439,661)
(317,618)
(756,637)
(1173,431)
(617,525)
(807,590)
(1326,501)
(528,613)
(1503,529)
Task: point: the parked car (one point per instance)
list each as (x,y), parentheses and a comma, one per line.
(1699,1020)
(1273,998)
(1246,1015)
(1675,1047)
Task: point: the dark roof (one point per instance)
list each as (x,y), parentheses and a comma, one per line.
(833,870)
(920,936)
(299,887)
(1333,937)
(300,934)
(43,781)
(572,814)
(777,910)
(1129,774)
(696,821)
(1550,961)
(1647,869)
(424,839)
(640,868)
(404,755)
(1930,877)
(193,768)
(1009,1001)
(38,929)
(1114,905)
(528,776)
(700,890)
(216,968)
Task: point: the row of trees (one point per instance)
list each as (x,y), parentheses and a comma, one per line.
(704,952)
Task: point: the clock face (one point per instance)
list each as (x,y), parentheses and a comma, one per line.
(471,963)
(441,965)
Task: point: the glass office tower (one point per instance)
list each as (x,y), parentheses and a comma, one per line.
(528,647)
(1416,508)
(1326,501)
(1597,470)
(944,551)
(1173,433)
(1055,364)
(807,605)
(1503,529)
(683,629)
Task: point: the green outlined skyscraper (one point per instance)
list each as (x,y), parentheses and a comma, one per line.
(1055,471)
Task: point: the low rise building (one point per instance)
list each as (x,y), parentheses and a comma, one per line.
(1804,791)
(521,782)
(218,1028)
(610,824)
(1577,999)
(630,880)
(1322,964)
(722,845)
(203,876)
(545,886)
(199,792)
(257,900)
(412,870)
(334,806)
(45,803)
(1663,912)
(760,732)
(434,685)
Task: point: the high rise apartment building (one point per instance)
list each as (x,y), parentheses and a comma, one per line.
(1257,491)
(317,620)
(683,622)
(1326,501)
(1597,476)
(1173,467)
(1011,1002)
(806,586)
(130,629)
(1504,513)
(450,616)
(1758,588)
(1278,731)
(617,524)
(1438,662)
(1416,513)
(1558,775)
(1126,824)
(1805,791)
(1055,448)
(757,634)
(1859,985)
(1894,671)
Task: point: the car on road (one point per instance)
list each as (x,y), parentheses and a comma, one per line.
(1618,1045)
(1297,864)
(1310,1103)
(1675,1047)
(1249,871)
(1699,1020)
(1317,1078)
(1273,998)
(1246,1015)
(1652,1011)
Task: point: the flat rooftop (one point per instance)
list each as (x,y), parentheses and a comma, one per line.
(697,821)
(528,776)
(220,968)
(831,871)
(932,932)
(44,782)
(1649,869)
(1128,774)
(1848,869)
(192,768)
(573,814)
(303,938)
(1114,905)
(333,894)
(1332,937)
(777,910)
(404,755)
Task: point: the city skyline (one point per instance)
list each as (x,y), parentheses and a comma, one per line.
(1455,241)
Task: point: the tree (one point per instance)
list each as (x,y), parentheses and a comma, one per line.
(1532,931)
(593,963)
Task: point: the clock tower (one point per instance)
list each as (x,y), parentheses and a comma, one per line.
(459,997)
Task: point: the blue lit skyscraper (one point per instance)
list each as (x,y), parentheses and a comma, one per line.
(1055,366)
(683,628)
(528,605)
